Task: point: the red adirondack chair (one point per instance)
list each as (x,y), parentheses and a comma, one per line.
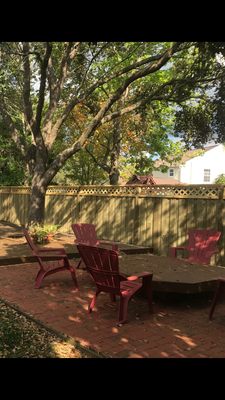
(103,265)
(59,261)
(201,246)
(86,234)
(219,291)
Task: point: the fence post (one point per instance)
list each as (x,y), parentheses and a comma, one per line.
(78,204)
(136,215)
(221,222)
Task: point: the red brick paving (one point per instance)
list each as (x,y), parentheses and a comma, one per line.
(178,330)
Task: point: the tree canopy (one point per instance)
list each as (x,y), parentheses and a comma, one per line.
(46,84)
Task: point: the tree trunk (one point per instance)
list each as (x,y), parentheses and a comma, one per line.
(114,177)
(38,191)
(37,203)
(114,173)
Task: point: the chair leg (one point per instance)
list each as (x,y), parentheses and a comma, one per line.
(78,265)
(147,288)
(73,274)
(172,252)
(93,301)
(112,297)
(123,309)
(39,278)
(216,298)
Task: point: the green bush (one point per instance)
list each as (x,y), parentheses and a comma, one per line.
(41,233)
(220,180)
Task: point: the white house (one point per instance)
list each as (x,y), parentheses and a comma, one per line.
(196,166)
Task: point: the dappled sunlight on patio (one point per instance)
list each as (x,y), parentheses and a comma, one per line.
(74,319)
(115,330)
(186,340)
(164,354)
(83,342)
(124,340)
(49,293)
(166,333)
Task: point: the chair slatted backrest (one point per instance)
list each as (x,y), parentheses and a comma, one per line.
(103,265)
(202,244)
(34,249)
(85,233)
(30,241)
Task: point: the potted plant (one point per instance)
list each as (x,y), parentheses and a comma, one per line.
(42,233)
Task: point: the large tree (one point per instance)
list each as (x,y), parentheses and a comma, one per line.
(127,146)
(42,83)
(201,118)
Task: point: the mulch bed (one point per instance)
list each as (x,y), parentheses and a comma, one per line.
(21,337)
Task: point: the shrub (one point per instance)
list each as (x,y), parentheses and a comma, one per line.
(42,233)
(220,180)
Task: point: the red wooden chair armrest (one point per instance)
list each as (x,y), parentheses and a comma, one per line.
(173,250)
(140,275)
(60,250)
(123,277)
(215,251)
(180,247)
(134,277)
(56,256)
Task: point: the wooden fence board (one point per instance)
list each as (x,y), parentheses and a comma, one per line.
(156,216)
(165,226)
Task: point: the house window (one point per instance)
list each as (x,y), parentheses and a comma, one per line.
(206,175)
(171,172)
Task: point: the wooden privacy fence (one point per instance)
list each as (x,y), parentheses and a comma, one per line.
(157,216)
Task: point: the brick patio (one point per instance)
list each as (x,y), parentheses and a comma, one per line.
(178,328)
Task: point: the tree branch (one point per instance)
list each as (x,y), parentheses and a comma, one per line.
(16,137)
(90,63)
(129,68)
(103,166)
(89,130)
(51,81)
(159,62)
(155,96)
(56,89)
(41,96)
(26,88)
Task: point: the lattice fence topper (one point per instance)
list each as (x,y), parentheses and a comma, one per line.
(15,189)
(194,191)
(164,191)
(89,190)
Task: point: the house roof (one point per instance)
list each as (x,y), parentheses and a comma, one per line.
(141,180)
(167,181)
(149,180)
(187,156)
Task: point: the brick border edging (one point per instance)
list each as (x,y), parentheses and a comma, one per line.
(29,259)
(60,335)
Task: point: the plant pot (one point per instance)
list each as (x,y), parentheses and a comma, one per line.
(49,237)
(41,240)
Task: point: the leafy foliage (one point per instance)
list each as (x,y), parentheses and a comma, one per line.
(220,180)
(194,124)
(202,118)
(41,232)
(80,170)
(11,166)
(59,98)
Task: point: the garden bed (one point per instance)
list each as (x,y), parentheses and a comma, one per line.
(20,337)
